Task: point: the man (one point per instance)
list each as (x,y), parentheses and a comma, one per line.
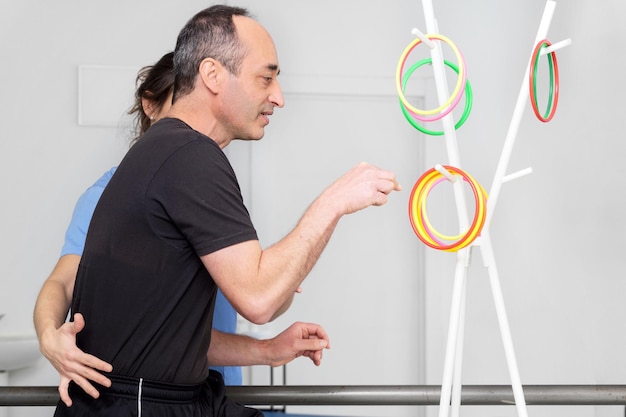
(171,227)
(57,339)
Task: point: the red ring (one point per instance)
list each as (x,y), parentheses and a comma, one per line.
(531,76)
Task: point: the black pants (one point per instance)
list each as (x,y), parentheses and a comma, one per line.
(138,398)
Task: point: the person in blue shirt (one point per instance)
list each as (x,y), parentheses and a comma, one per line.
(58,339)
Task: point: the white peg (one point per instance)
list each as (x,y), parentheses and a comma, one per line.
(445,173)
(423,38)
(555,46)
(517,175)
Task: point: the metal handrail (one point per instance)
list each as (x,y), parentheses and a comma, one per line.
(371,395)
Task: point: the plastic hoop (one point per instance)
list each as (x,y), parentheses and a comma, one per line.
(424,225)
(419,218)
(553,96)
(454,98)
(411,117)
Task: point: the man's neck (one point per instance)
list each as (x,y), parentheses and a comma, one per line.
(199,121)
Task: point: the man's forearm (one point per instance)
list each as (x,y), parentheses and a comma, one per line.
(299,339)
(236,350)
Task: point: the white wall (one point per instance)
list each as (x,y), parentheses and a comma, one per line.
(557,234)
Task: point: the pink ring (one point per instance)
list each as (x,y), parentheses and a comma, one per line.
(450,107)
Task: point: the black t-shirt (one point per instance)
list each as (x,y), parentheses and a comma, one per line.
(146,297)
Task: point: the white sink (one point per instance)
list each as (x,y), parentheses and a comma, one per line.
(18,351)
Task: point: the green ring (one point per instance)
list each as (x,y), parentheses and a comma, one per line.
(551,70)
(468,98)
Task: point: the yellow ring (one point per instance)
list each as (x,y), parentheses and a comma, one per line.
(457,88)
(421,223)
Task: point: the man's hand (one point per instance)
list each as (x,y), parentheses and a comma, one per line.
(299,339)
(71,363)
(363,186)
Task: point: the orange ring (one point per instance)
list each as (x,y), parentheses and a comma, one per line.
(419,219)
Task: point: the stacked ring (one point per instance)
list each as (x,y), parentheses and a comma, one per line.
(411,118)
(553,96)
(454,98)
(421,223)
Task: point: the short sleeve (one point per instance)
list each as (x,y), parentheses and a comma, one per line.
(197,195)
(76,232)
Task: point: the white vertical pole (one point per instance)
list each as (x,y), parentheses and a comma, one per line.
(505,331)
(453,360)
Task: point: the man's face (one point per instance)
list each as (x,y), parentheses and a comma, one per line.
(251,96)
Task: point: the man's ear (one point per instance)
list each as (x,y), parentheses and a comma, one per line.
(210,73)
